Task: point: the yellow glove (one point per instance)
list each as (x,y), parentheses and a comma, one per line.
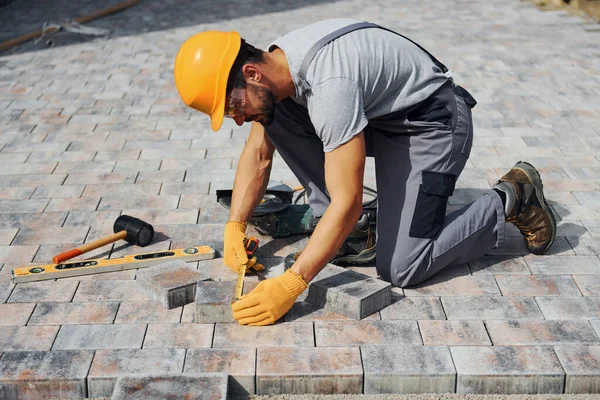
(269,300)
(235,251)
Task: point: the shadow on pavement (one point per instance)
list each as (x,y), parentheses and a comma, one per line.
(21,17)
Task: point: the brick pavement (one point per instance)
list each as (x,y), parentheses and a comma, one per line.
(93,129)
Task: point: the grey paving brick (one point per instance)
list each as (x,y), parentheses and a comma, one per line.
(141,387)
(569,307)
(6,288)
(14,193)
(15,314)
(121,189)
(45,291)
(108,290)
(302,311)
(81,337)
(481,307)
(309,370)
(170,176)
(563,265)
(348,292)
(105,178)
(46,192)
(53,235)
(585,246)
(463,285)
(91,218)
(18,254)
(165,216)
(137,202)
(358,333)
(23,206)
(507,370)
(84,166)
(172,284)
(137,165)
(28,168)
(515,332)
(540,285)
(32,180)
(44,374)
(582,368)
(413,308)
(408,369)
(239,364)
(7,235)
(292,334)
(213,300)
(589,285)
(454,333)
(73,313)
(108,365)
(179,336)
(25,338)
(499,265)
(157,144)
(146,312)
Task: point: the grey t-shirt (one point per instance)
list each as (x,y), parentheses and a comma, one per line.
(362,75)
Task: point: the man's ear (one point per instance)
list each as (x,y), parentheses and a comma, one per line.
(252,72)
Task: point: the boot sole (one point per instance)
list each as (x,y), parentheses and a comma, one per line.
(535,178)
(366,256)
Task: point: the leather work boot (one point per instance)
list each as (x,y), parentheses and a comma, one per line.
(357,249)
(526,207)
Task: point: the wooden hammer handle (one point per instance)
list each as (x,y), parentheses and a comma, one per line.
(88,247)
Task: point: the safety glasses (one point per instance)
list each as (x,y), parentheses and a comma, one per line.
(237,99)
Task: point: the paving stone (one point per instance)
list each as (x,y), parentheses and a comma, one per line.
(540,285)
(165,217)
(347,292)
(7,235)
(515,332)
(108,365)
(121,189)
(73,313)
(179,386)
(92,218)
(499,265)
(563,265)
(302,311)
(54,235)
(589,285)
(239,364)
(297,371)
(6,289)
(213,300)
(454,333)
(459,286)
(146,312)
(507,370)
(172,284)
(45,291)
(106,178)
(569,307)
(292,334)
(108,291)
(25,338)
(481,308)
(358,333)
(81,337)
(179,336)
(407,369)
(585,246)
(23,206)
(413,308)
(30,180)
(137,202)
(44,374)
(18,254)
(582,367)
(62,191)
(15,314)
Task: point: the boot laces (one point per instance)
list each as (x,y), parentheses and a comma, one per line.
(525,231)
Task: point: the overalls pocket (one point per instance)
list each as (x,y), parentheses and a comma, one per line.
(430,209)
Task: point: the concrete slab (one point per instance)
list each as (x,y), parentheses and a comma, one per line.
(332,370)
(121,336)
(347,292)
(74,313)
(239,364)
(108,365)
(213,300)
(582,367)
(454,333)
(413,308)
(408,369)
(564,332)
(358,333)
(184,336)
(286,334)
(507,370)
(44,374)
(180,386)
(172,284)
(482,307)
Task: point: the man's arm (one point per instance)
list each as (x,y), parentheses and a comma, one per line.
(344,171)
(252,174)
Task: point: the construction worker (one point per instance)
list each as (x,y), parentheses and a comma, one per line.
(326,96)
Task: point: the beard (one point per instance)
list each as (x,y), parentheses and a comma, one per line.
(266,98)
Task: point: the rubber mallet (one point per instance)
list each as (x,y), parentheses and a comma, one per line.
(130,229)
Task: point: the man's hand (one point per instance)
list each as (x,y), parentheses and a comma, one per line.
(235,250)
(270,300)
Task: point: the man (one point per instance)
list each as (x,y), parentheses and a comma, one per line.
(325,97)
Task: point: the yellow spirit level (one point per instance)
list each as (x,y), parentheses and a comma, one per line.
(100,265)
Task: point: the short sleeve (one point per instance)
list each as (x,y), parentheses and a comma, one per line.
(336,110)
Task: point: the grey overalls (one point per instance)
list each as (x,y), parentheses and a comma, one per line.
(418,157)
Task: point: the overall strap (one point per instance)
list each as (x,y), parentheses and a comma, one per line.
(305,86)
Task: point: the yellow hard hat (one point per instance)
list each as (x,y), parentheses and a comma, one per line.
(201,70)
